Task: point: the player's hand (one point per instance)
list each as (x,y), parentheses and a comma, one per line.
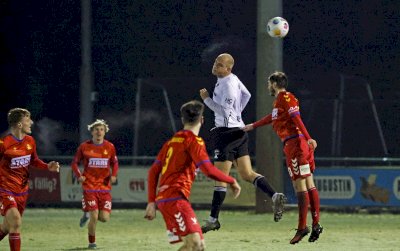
(150,211)
(53,166)
(113,179)
(312,143)
(248,127)
(82,179)
(204,93)
(235,189)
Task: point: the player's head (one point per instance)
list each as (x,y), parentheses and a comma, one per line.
(277,81)
(98,129)
(223,65)
(192,112)
(20,118)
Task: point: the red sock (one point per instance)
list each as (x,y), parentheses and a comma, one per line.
(314,205)
(303,202)
(92,238)
(15,241)
(2,235)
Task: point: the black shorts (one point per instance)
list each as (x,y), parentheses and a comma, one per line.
(228,143)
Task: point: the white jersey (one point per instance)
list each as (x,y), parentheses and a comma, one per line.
(230,97)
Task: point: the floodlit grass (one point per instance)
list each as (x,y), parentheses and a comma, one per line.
(57,229)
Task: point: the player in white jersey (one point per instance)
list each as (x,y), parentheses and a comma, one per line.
(229,142)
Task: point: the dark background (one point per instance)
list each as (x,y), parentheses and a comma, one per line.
(173,45)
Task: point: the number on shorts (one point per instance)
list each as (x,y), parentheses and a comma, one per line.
(169,155)
(107,205)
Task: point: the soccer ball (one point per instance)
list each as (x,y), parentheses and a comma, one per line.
(278,27)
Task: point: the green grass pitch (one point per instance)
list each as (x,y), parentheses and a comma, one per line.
(58,229)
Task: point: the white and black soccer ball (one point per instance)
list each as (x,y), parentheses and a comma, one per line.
(278,27)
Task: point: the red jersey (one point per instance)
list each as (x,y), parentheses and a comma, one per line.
(285,117)
(178,163)
(97,160)
(16,156)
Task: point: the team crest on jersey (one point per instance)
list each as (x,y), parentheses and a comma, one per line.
(105,152)
(216,153)
(200,141)
(1,142)
(286,98)
(28,147)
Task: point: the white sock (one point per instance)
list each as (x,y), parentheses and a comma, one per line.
(212,219)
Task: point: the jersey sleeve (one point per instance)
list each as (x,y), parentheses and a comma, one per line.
(245,97)
(75,162)
(263,121)
(2,149)
(228,98)
(198,153)
(114,162)
(153,175)
(36,162)
(291,105)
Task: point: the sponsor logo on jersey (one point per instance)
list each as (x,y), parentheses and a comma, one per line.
(293,109)
(28,147)
(98,162)
(19,162)
(274,113)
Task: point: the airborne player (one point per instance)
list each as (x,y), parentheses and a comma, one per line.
(299,148)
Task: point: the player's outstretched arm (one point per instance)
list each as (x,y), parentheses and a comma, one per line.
(248,127)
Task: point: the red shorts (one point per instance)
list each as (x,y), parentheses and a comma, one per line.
(96,201)
(180,219)
(299,158)
(8,201)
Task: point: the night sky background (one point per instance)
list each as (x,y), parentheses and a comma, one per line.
(174,43)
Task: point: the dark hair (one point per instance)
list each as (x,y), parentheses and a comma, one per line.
(192,111)
(279,78)
(15,116)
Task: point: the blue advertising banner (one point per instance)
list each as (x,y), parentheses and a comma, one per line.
(379,186)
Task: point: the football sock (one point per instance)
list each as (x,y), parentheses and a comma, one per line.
(262,183)
(314,204)
(15,241)
(303,201)
(92,238)
(2,235)
(218,199)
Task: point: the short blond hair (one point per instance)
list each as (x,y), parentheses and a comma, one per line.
(98,122)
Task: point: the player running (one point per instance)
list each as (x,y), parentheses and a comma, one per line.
(17,155)
(299,148)
(97,155)
(174,171)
